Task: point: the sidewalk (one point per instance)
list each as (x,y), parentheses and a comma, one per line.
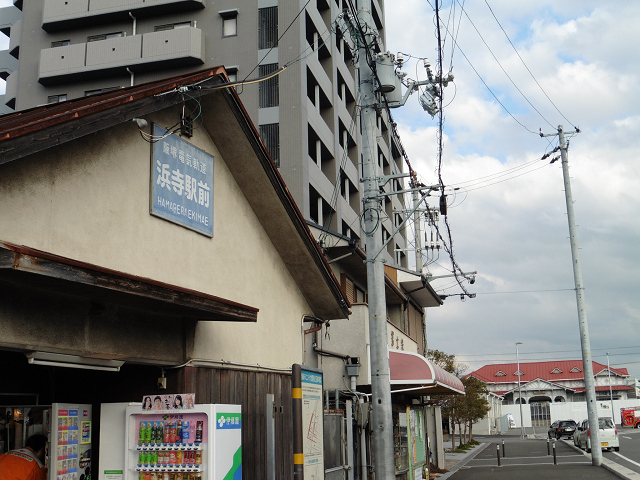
(453,461)
(525,460)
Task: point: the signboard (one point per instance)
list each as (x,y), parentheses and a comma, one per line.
(308,417)
(181,183)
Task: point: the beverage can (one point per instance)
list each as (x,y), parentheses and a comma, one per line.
(192,476)
(147,476)
(154,458)
(165,476)
(199,431)
(198,457)
(172,457)
(178,432)
(179,476)
(185,432)
(172,476)
(154,432)
(172,433)
(141,476)
(179,457)
(167,431)
(154,476)
(142,457)
(147,433)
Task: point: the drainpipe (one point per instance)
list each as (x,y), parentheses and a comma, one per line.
(132,75)
(134,22)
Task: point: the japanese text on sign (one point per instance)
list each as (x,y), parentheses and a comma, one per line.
(182,183)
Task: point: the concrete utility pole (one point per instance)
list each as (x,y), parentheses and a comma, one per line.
(380,379)
(587,363)
(519,391)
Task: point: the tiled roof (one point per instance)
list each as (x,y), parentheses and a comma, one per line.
(570,370)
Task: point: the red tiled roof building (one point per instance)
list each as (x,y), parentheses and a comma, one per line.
(554,381)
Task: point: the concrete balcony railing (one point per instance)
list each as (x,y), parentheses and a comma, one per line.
(67,14)
(150,51)
(11,90)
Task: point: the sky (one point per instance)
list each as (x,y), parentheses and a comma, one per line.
(508,219)
(519,70)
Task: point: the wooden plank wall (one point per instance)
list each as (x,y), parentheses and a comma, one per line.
(249,389)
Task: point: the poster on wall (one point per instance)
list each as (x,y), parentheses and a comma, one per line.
(181,182)
(308,417)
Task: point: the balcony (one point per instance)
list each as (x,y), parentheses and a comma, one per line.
(14,39)
(68,14)
(140,53)
(8,64)
(11,90)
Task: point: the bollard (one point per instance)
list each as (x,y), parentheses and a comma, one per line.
(555,459)
(503,453)
(498,452)
(548,447)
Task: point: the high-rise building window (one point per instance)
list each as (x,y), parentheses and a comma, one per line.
(267,27)
(104,36)
(268,90)
(60,43)
(171,26)
(56,98)
(229,22)
(270,135)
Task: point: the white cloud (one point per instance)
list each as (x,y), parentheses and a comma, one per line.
(515,233)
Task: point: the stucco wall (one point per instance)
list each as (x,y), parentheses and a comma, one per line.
(89,200)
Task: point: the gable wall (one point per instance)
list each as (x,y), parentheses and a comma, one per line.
(89,200)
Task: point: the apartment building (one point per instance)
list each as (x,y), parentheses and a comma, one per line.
(307,114)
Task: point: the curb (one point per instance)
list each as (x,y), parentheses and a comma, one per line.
(471,456)
(615,468)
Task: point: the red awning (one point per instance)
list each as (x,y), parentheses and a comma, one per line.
(411,370)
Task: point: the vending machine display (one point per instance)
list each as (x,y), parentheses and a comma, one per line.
(202,443)
(70,436)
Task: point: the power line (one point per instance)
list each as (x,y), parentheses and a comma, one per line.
(502,68)
(525,65)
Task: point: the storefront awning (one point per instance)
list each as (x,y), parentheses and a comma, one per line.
(411,370)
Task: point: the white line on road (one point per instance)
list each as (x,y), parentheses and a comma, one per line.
(628,438)
(627,459)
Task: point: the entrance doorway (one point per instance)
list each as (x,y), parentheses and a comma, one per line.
(540,412)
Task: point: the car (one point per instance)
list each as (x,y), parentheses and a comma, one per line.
(608,435)
(562,428)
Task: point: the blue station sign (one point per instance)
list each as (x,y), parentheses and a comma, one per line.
(181,183)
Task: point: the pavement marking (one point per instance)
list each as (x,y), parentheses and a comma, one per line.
(527,464)
(627,459)
(629,438)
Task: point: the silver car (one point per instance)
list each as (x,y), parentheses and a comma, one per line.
(608,435)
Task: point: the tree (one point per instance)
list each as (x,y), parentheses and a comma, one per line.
(474,405)
(450,404)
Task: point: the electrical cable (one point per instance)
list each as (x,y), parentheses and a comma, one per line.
(277,41)
(502,68)
(525,65)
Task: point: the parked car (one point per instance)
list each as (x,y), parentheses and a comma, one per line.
(608,435)
(562,428)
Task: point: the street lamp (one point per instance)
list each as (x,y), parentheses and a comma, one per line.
(519,391)
(613,417)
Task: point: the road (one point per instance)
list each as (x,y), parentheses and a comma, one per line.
(629,454)
(528,460)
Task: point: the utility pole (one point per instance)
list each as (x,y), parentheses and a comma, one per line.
(519,391)
(587,363)
(382,427)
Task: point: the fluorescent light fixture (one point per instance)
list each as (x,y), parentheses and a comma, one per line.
(73,361)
